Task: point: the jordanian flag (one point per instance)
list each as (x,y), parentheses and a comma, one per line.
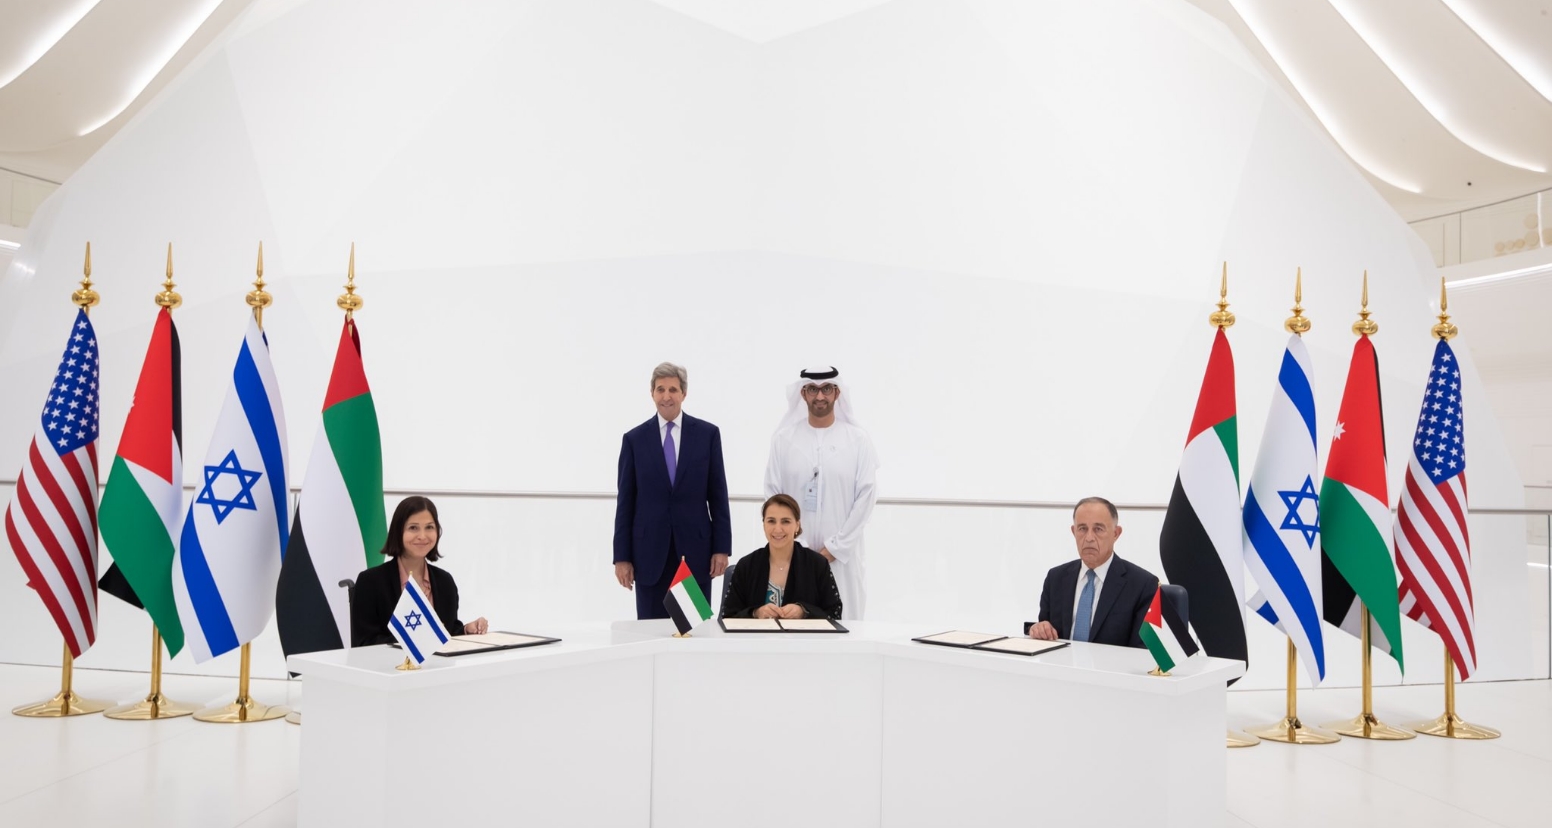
(1166,634)
(1201,544)
(1356,567)
(142,507)
(684,601)
(340,526)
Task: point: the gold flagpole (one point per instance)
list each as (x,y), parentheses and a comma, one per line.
(245,709)
(66,702)
(1223,319)
(348,302)
(1449,725)
(155,705)
(1365,725)
(1290,729)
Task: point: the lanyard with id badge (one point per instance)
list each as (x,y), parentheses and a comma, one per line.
(811,494)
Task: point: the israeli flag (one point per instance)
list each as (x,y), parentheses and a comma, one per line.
(236,529)
(1282,514)
(415,624)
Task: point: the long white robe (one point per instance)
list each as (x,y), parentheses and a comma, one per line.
(841,461)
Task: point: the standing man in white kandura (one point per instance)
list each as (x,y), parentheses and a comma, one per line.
(825,461)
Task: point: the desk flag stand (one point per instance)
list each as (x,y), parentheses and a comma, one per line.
(1290,729)
(245,709)
(66,702)
(155,705)
(1449,725)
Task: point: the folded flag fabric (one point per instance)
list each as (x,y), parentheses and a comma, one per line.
(52,520)
(1167,635)
(684,601)
(236,528)
(415,624)
(142,506)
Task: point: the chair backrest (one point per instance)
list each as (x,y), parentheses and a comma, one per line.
(350,589)
(727,585)
(1176,595)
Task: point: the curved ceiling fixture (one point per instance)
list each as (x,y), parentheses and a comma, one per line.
(65,16)
(177,35)
(1372,165)
(1414,81)
(1509,41)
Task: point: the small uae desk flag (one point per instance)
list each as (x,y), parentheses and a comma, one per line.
(684,601)
(415,624)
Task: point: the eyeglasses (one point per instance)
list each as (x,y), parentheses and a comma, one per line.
(827,390)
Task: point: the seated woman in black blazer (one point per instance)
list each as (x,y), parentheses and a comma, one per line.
(412,542)
(784,578)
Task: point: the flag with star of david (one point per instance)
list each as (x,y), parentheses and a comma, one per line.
(1282,514)
(236,528)
(415,624)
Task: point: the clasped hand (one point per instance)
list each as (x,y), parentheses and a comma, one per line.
(773,611)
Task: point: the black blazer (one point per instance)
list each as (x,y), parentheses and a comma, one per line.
(377,592)
(691,515)
(1123,602)
(810,584)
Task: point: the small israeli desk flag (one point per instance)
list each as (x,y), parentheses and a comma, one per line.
(415,625)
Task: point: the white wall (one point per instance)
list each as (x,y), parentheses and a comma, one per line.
(550,197)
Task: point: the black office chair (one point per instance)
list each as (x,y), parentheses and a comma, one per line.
(727,584)
(1176,595)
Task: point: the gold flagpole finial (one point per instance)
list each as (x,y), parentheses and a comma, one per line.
(259,298)
(86,297)
(1365,326)
(1298,323)
(169,298)
(348,301)
(1221,318)
(1444,330)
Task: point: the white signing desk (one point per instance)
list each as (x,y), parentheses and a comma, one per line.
(627,726)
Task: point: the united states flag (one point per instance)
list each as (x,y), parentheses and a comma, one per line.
(52,519)
(1433,550)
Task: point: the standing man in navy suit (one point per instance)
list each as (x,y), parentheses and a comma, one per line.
(673,500)
(1099,597)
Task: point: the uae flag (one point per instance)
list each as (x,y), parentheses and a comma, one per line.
(1356,568)
(142,506)
(1201,544)
(1166,634)
(340,525)
(684,601)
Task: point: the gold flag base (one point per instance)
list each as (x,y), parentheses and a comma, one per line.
(1366,726)
(1157,672)
(681,635)
(1294,732)
(1451,726)
(65,703)
(408,665)
(1240,739)
(294,717)
(242,711)
(156,706)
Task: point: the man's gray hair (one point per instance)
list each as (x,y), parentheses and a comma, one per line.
(668,369)
(1108,505)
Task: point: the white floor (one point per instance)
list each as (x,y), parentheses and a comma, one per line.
(91,771)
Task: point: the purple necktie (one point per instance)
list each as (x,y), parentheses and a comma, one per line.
(669,456)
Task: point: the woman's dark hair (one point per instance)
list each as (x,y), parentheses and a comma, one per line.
(408,508)
(787,502)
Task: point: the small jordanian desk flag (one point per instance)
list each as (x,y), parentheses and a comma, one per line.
(684,601)
(1167,635)
(415,624)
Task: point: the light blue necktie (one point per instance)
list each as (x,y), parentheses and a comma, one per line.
(668,455)
(1080,624)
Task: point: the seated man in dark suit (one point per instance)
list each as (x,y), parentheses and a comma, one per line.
(1099,597)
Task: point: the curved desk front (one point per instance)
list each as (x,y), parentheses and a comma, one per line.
(627,726)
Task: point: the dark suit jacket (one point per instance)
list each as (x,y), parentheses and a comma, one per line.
(692,514)
(1122,604)
(810,583)
(377,592)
